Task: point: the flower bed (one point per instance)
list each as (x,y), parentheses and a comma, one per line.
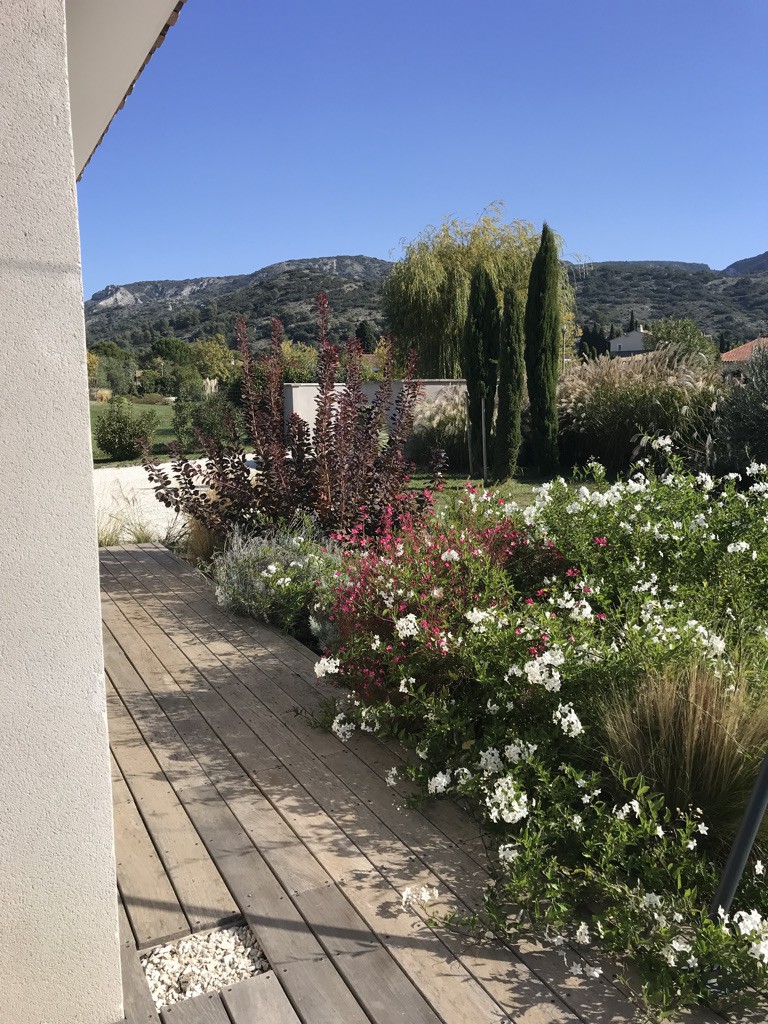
(505,644)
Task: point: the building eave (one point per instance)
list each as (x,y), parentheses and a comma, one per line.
(90,126)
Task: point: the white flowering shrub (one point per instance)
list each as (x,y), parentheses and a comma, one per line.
(277,576)
(494,639)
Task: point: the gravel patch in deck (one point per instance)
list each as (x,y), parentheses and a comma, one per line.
(202,963)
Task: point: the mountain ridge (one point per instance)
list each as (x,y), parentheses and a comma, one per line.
(732,302)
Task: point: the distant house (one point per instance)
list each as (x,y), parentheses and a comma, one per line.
(734,359)
(630,344)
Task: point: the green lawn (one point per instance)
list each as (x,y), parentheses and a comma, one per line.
(163,435)
(520,489)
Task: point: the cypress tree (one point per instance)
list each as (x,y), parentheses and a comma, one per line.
(511,385)
(480,354)
(632,322)
(542,350)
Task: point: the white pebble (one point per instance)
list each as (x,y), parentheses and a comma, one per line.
(202,963)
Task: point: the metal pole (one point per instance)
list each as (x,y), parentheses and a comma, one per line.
(469,435)
(743,843)
(564,333)
(485,456)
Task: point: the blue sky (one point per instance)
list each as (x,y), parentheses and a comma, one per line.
(287,129)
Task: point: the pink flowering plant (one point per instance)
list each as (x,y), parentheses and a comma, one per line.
(492,638)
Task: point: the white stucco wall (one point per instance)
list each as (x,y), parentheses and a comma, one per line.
(59,951)
(300,398)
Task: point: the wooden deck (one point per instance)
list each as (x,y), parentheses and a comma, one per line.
(228,801)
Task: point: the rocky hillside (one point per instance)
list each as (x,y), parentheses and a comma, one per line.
(732,302)
(753,265)
(137,313)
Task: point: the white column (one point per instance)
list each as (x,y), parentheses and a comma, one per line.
(59,949)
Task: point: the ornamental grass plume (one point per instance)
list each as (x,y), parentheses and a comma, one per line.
(695,737)
(441,423)
(605,407)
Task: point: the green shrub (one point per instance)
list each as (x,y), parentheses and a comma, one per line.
(118,433)
(607,405)
(217,418)
(151,398)
(275,576)
(300,362)
(183,424)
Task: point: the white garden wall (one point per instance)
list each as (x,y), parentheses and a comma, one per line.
(301,398)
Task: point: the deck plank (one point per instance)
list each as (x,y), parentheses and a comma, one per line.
(206,1009)
(138,1005)
(259,999)
(150,901)
(203,896)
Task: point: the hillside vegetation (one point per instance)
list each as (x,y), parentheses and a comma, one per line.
(732,303)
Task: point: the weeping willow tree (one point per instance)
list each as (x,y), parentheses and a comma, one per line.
(426,297)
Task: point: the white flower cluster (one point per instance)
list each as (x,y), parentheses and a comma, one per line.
(519,750)
(439,783)
(754,926)
(506,802)
(342,728)
(450,556)
(508,853)
(490,760)
(622,812)
(712,644)
(478,619)
(542,671)
(327,667)
(407,626)
(568,720)
(662,444)
(740,547)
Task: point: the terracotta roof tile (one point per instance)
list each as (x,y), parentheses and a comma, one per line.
(742,353)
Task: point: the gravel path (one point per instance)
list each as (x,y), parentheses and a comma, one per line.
(126,506)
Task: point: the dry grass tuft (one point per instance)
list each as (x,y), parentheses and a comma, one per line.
(696,738)
(198,543)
